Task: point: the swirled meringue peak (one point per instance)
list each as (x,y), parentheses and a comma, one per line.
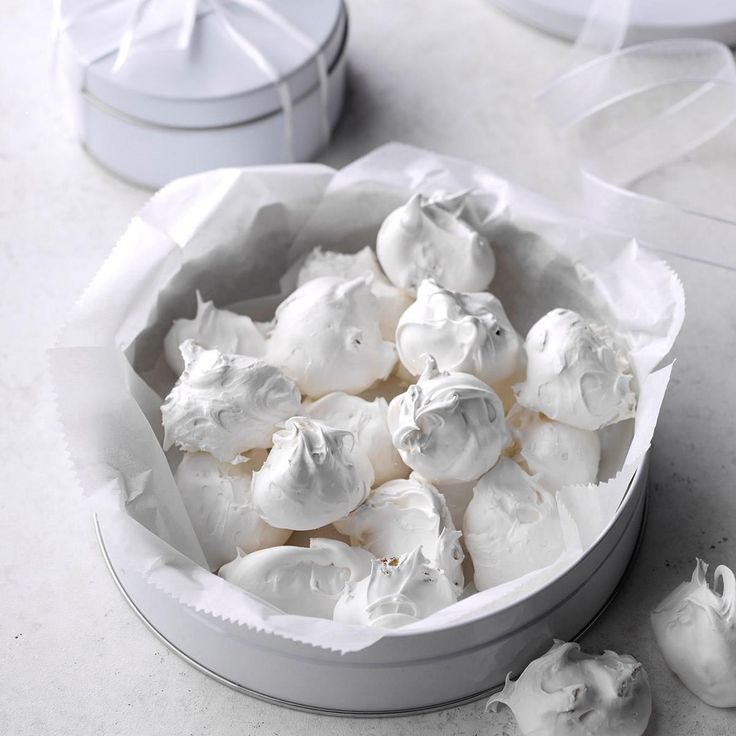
(425,238)
(367,421)
(575,373)
(398,591)
(449,427)
(218,499)
(466,332)
(313,476)
(695,629)
(391,301)
(567,692)
(213,328)
(326,337)
(511,526)
(300,580)
(555,454)
(400,516)
(226,404)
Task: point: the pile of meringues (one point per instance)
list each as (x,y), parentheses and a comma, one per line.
(389,386)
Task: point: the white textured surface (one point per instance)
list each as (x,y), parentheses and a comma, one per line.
(453,76)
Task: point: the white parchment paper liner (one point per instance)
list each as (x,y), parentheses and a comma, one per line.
(231,234)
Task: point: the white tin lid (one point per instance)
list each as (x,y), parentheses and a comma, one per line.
(649,21)
(211,83)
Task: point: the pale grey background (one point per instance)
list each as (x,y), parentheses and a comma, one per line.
(453,75)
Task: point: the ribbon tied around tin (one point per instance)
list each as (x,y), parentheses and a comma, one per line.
(634,109)
(125,27)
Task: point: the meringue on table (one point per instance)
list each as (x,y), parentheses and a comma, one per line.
(326,337)
(695,629)
(299,580)
(449,427)
(398,591)
(511,526)
(464,331)
(402,515)
(218,500)
(391,301)
(575,373)
(367,421)
(555,454)
(427,238)
(213,328)
(567,692)
(226,404)
(314,475)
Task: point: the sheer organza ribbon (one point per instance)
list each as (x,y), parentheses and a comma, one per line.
(183,15)
(632,110)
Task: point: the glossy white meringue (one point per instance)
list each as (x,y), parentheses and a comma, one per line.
(400,516)
(226,404)
(326,337)
(398,591)
(427,238)
(314,475)
(465,332)
(391,301)
(695,629)
(367,420)
(213,328)
(511,526)
(300,580)
(449,427)
(575,373)
(555,454)
(218,500)
(567,692)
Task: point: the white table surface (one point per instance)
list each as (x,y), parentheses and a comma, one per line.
(456,76)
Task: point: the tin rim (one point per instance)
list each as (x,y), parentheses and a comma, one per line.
(357,713)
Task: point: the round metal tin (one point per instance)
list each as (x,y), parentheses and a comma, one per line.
(210,83)
(649,21)
(400,674)
(150,140)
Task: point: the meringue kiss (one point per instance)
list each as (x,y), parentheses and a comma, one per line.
(427,239)
(449,427)
(466,332)
(402,515)
(326,337)
(695,629)
(398,591)
(367,420)
(555,454)
(300,580)
(226,404)
(313,476)
(213,328)
(575,374)
(391,301)
(218,500)
(567,692)
(511,526)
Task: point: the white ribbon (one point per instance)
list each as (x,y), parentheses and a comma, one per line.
(186,18)
(618,145)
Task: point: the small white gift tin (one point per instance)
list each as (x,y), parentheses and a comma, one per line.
(153,97)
